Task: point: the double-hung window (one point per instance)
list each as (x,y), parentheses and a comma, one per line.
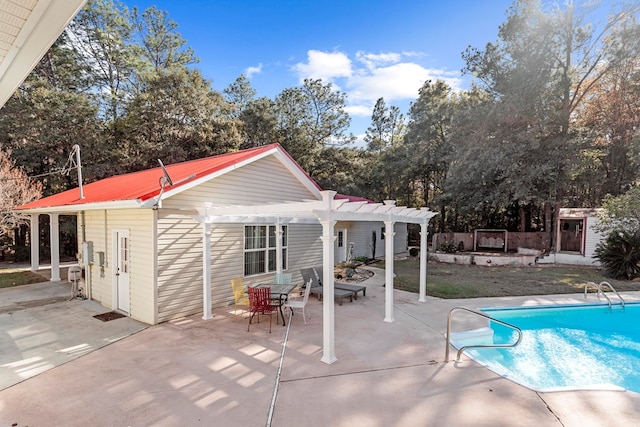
(260,249)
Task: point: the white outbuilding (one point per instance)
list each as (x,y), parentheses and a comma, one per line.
(164,243)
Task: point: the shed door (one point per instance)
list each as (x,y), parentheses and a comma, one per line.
(121,249)
(571,235)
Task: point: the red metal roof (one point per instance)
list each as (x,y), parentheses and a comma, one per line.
(143,185)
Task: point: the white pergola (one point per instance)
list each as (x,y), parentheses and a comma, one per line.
(326,212)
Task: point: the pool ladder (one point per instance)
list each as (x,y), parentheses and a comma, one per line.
(463,348)
(599,291)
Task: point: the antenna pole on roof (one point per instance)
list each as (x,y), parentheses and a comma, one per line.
(165,179)
(76,149)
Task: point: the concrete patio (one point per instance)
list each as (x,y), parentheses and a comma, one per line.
(194,372)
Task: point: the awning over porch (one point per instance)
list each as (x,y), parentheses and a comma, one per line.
(327,212)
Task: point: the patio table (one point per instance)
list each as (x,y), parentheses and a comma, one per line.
(279,292)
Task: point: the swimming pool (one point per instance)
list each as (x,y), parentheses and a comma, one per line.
(567,347)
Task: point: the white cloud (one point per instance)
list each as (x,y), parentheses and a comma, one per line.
(397,81)
(250,71)
(359,110)
(324,65)
(396,77)
(372,60)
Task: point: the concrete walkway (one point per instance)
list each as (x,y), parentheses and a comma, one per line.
(193,372)
(41,327)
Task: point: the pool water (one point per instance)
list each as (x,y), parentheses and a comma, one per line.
(567,347)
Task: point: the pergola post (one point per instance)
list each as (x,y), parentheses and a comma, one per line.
(328,305)
(34,237)
(54,232)
(206,270)
(388,270)
(423,261)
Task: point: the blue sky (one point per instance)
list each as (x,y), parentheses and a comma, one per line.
(366,48)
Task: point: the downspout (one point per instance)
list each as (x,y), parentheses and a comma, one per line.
(83,227)
(206,266)
(279,234)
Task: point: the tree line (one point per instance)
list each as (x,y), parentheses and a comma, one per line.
(550,120)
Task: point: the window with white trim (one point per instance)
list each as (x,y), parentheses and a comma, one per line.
(260,249)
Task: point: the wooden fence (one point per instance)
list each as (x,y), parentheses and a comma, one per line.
(515,240)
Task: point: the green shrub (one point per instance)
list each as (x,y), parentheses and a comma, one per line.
(21,253)
(448,247)
(619,254)
(346,265)
(361,259)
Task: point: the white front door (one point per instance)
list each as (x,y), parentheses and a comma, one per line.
(121,270)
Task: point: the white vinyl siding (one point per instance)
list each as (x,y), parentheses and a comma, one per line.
(179,266)
(592,238)
(139,222)
(305,248)
(360,234)
(180,262)
(264,181)
(95,231)
(401,238)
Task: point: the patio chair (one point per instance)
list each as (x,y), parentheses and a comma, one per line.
(240,296)
(282,279)
(316,288)
(260,303)
(344,286)
(300,303)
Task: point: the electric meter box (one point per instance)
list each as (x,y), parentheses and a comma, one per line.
(87,253)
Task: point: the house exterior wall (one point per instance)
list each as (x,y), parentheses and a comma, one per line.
(360,234)
(401,238)
(179,244)
(592,238)
(305,248)
(180,262)
(98,229)
(179,266)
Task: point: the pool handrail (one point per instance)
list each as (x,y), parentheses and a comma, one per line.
(598,291)
(463,348)
(612,290)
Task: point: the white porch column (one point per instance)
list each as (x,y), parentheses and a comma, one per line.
(206,271)
(54,237)
(34,236)
(423,261)
(388,270)
(328,305)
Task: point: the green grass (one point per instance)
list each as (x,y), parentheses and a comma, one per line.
(469,281)
(10,278)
